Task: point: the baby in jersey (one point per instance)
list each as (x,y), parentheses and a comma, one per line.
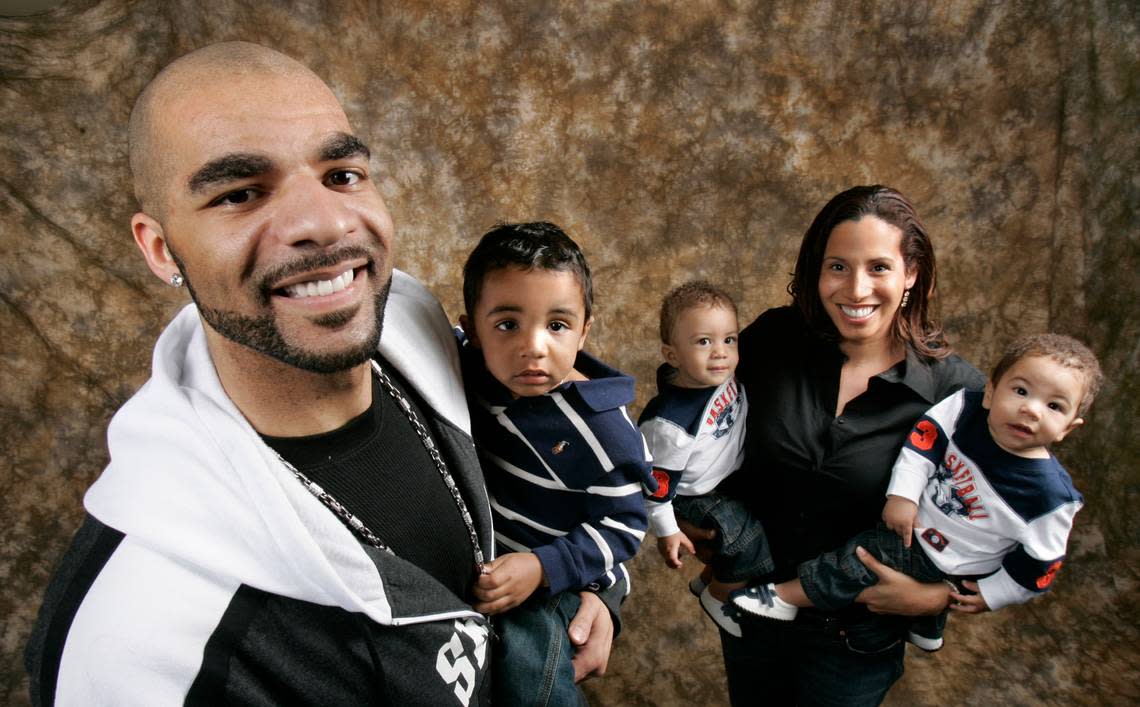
(695,432)
(976,487)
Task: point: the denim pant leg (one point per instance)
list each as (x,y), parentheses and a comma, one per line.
(741,548)
(813,661)
(925,570)
(533,653)
(834,579)
(930,626)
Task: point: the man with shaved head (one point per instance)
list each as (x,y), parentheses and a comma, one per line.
(293,511)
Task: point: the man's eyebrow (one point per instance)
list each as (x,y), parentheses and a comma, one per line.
(228,168)
(342,146)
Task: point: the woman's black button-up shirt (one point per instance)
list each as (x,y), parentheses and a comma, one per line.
(814,479)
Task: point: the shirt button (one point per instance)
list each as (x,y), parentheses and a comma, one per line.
(839,420)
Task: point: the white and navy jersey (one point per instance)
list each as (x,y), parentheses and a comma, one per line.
(696,437)
(564,471)
(981,509)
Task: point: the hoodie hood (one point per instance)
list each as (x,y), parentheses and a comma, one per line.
(190,478)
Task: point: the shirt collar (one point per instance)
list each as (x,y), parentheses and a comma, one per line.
(606,389)
(914,373)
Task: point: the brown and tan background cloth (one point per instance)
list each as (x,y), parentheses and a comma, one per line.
(673,140)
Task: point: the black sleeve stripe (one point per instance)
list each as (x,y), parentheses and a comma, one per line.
(81,564)
(272,650)
(209,687)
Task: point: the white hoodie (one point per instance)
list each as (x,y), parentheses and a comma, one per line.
(207,507)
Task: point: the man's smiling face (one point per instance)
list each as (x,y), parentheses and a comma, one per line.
(271,214)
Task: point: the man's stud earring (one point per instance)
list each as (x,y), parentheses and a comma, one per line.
(176,280)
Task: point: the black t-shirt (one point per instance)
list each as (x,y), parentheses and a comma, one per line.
(376,466)
(813,479)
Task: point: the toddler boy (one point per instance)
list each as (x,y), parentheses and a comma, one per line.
(563,462)
(977,488)
(695,432)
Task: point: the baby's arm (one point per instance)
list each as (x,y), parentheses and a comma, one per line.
(507,582)
(670,548)
(917,462)
(1028,569)
(899,514)
(666,448)
(663,522)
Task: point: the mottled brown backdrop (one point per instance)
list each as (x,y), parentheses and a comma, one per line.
(673,140)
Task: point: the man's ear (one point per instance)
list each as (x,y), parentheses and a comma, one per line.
(465,325)
(585,332)
(670,355)
(987,398)
(151,240)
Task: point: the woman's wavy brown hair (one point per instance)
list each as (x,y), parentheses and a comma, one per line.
(914,325)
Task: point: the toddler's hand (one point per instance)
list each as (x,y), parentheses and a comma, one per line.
(509,580)
(670,548)
(703,539)
(898,514)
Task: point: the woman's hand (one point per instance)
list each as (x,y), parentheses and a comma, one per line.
(897,593)
(700,538)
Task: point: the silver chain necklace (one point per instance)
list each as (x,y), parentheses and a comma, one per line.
(421,430)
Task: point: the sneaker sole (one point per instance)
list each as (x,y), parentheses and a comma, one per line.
(696,586)
(755,607)
(724,623)
(930,645)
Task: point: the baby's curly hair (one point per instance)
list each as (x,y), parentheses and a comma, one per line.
(695,293)
(1066,351)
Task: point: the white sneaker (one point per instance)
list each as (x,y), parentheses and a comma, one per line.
(762,600)
(696,586)
(720,613)
(926,643)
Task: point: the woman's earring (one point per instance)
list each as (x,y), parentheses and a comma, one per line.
(176,280)
(905,299)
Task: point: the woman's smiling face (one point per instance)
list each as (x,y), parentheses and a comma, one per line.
(863,278)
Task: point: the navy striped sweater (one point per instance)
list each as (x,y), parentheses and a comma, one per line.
(564,471)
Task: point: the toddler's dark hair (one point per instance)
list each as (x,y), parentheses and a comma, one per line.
(540,245)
